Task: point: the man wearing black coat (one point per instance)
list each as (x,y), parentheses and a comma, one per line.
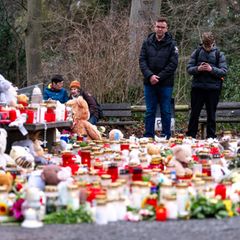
(208,67)
(158,62)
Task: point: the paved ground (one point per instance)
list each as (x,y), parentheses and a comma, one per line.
(181,230)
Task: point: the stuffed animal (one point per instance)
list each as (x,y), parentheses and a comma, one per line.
(153,149)
(22,157)
(4,158)
(34,148)
(115,134)
(6,179)
(53,174)
(80,116)
(8,93)
(182,157)
(22,100)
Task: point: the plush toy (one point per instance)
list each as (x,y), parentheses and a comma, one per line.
(53,174)
(22,157)
(6,179)
(182,157)
(80,116)
(4,158)
(153,149)
(34,148)
(22,100)
(115,134)
(8,93)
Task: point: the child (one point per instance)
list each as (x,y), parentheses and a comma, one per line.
(76,91)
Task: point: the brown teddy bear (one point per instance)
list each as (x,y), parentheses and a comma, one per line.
(181,160)
(54,174)
(81,114)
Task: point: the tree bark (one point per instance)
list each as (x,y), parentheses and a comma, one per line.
(33,42)
(142,15)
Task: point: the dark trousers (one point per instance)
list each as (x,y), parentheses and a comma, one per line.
(199,97)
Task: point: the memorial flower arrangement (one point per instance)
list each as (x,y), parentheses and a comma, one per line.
(202,207)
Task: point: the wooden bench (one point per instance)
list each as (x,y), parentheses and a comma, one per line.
(49,128)
(116,114)
(227,112)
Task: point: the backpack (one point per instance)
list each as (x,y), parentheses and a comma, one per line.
(100,111)
(217,55)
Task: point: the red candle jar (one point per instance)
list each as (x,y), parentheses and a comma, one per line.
(113,171)
(86,157)
(124,146)
(67,159)
(161,213)
(221,191)
(30,116)
(206,169)
(12,115)
(137,174)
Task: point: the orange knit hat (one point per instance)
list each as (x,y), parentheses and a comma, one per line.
(75,84)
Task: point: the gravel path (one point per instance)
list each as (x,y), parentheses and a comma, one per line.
(181,230)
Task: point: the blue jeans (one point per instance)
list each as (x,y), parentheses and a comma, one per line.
(93,120)
(154,95)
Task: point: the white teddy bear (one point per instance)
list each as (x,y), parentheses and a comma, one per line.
(4,158)
(8,93)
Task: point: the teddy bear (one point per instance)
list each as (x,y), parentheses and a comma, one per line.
(153,149)
(22,100)
(8,93)
(182,155)
(54,174)
(6,179)
(81,114)
(5,159)
(34,149)
(22,157)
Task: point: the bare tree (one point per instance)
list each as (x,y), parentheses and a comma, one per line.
(143,12)
(33,42)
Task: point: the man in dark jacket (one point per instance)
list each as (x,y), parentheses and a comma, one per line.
(158,62)
(55,90)
(76,91)
(208,67)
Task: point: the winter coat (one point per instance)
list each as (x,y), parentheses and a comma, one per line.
(207,80)
(57,95)
(159,58)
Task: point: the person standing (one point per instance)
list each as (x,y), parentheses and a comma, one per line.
(158,62)
(76,91)
(208,67)
(55,90)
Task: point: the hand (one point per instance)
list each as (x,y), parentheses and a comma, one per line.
(204,67)
(154,79)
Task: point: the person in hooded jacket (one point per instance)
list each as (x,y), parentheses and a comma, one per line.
(208,67)
(158,62)
(55,90)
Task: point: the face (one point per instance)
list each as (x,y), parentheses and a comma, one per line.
(208,47)
(160,29)
(74,91)
(58,85)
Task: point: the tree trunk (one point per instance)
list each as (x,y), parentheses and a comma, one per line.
(33,42)
(114,7)
(143,13)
